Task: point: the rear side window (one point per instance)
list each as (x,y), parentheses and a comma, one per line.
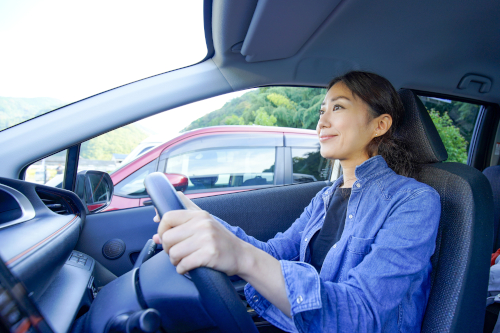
(225,167)
(309,166)
(455,123)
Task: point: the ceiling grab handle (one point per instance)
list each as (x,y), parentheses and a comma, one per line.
(484,81)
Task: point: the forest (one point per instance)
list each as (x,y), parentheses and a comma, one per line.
(268,106)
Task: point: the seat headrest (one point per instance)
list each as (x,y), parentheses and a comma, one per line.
(418,130)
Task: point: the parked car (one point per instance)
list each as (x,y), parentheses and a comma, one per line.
(67,269)
(224,159)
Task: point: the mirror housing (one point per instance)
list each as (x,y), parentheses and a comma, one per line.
(178,181)
(95,188)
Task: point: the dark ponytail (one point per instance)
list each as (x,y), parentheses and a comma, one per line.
(381,98)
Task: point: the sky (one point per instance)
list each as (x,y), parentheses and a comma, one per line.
(70,50)
(166,124)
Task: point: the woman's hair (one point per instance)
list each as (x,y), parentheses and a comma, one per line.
(381,98)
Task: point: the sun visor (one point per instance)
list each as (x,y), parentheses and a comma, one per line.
(279,28)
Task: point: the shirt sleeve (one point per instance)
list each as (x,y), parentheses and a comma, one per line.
(398,261)
(285,245)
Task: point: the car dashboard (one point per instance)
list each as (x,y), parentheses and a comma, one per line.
(39,228)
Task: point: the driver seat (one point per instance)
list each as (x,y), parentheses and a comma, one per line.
(460,264)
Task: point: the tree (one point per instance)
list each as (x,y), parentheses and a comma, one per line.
(262,118)
(454,142)
(233,120)
(463,115)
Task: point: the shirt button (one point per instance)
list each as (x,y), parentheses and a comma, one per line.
(358,185)
(350,216)
(305,239)
(299,299)
(335,245)
(255,298)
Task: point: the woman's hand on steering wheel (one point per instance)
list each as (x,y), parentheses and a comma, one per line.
(185,201)
(193,238)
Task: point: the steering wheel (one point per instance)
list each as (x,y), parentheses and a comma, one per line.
(217,294)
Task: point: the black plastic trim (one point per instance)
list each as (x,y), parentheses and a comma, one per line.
(483,137)
(71,168)
(207,23)
(288,166)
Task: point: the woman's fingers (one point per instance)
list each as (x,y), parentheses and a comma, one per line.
(187,202)
(194,260)
(177,218)
(176,235)
(157,217)
(156,239)
(193,238)
(181,250)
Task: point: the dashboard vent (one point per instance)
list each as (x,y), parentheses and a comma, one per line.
(55,202)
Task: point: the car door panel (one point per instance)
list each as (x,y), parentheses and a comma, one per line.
(261,213)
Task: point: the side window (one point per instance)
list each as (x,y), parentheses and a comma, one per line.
(48,171)
(212,169)
(455,123)
(133,185)
(309,166)
(207,169)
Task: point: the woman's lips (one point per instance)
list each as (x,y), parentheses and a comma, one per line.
(326,137)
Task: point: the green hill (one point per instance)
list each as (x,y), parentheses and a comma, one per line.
(16,110)
(120,141)
(270,106)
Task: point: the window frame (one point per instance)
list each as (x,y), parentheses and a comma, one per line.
(475,145)
(278,171)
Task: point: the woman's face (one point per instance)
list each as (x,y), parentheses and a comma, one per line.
(345,127)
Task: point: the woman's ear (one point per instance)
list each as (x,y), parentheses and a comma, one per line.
(383,124)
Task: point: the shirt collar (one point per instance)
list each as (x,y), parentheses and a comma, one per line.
(367,170)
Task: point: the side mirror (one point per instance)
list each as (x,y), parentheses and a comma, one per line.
(178,181)
(95,188)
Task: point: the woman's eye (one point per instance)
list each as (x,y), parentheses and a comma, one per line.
(321,112)
(337,107)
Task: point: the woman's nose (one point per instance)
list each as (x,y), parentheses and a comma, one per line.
(323,122)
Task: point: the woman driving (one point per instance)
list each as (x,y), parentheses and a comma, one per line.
(358,258)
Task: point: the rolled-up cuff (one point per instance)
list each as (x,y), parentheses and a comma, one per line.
(303,287)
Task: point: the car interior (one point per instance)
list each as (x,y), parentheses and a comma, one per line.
(76,270)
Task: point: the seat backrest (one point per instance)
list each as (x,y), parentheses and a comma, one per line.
(493,175)
(459,277)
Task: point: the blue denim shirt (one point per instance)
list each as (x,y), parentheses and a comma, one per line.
(376,278)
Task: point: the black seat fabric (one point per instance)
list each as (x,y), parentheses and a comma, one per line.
(459,278)
(493,175)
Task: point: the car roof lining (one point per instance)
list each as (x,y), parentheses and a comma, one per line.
(424,45)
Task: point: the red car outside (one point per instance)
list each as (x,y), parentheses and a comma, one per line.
(224,159)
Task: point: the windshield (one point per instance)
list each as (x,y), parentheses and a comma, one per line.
(56,52)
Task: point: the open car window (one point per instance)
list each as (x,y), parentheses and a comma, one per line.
(277,144)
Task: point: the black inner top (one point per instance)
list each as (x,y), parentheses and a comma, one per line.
(332,229)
